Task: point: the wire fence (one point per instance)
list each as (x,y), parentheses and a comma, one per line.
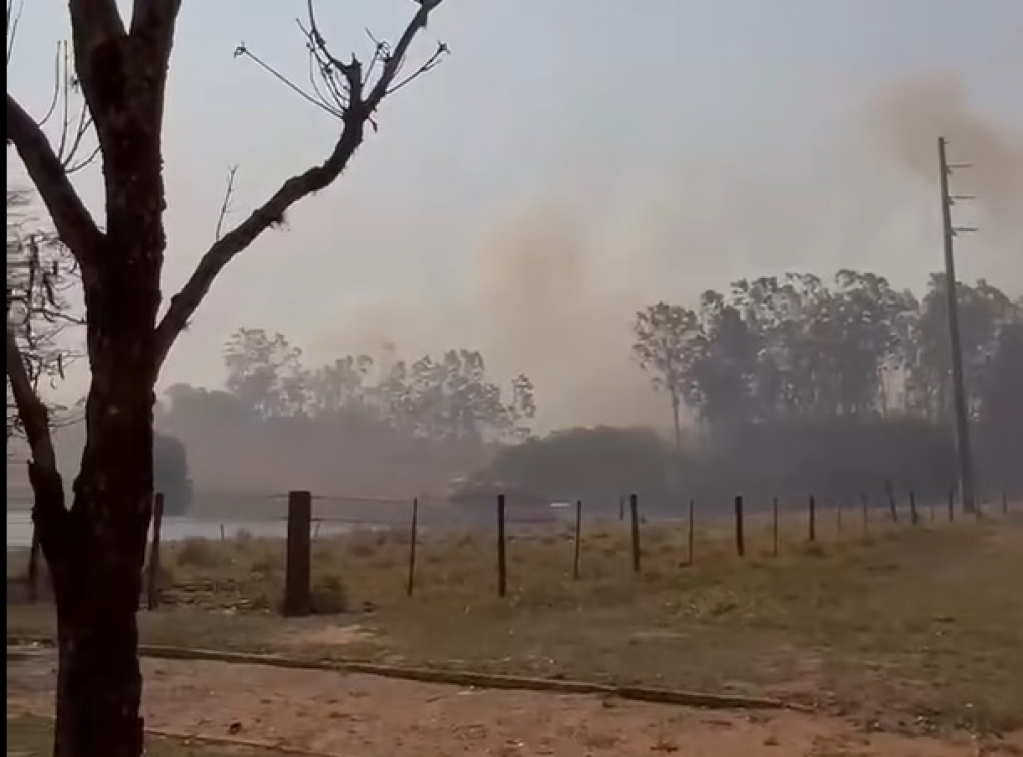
(300,518)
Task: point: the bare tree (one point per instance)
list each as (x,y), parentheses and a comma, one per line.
(95,548)
(40,273)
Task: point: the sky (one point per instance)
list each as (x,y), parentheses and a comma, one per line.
(570,162)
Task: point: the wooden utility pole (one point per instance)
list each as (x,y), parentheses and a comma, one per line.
(958,383)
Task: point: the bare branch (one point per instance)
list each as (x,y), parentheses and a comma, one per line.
(432,62)
(105,61)
(74,224)
(31,410)
(153,21)
(94,22)
(55,96)
(243,51)
(393,64)
(146,13)
(271,213)
(102,15)
(345,83)
(72,128)
(225,206)
(14,11)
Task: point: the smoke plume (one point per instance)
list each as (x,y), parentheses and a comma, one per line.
(551,290)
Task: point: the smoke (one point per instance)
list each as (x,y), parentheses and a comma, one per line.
(551,289)
(548,303)
(537,296)
(910,115)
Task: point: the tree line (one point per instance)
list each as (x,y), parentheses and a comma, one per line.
(850,368)
(801,386)
(448,397)
(797,346)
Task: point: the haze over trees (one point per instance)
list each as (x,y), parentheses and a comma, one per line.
(795,346)
(795,384)
(356,426)
(805,386)
(95,548)
(448,397)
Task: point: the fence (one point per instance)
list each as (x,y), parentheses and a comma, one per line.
(808,522)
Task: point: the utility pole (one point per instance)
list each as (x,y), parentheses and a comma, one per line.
(958,383)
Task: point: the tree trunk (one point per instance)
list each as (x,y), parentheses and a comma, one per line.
(99,685)
(98,579)
(675,410)
(96,557)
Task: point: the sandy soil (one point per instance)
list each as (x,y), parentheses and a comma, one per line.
(366,716)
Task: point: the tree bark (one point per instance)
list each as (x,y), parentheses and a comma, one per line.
(97,560)
(676,407)
(98,564)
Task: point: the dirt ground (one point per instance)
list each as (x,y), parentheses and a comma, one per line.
(347,715)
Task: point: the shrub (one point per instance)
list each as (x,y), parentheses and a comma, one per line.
(328,595)
(197,553)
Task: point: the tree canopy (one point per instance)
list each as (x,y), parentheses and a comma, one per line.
(446,397)
(795,346)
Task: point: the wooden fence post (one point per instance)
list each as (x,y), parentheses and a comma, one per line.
(951,504)
(502,559)
(1005,503)
(914,518)
(891,500)
(578,533)
(621,508)
(152,589)
(774,527)
(634,516)
(33,565)
(740,531)
(692,530)
(865,506)
(838,519)
(413,528)
(813,519)
(298,560)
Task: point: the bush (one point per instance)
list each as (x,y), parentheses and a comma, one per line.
(197,553)
(328,595)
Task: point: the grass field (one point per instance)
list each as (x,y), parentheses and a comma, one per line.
(910,628)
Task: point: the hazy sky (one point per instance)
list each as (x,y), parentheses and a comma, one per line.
(572,160)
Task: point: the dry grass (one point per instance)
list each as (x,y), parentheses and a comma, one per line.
(910,627)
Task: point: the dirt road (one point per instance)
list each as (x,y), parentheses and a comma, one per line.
(346,714)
